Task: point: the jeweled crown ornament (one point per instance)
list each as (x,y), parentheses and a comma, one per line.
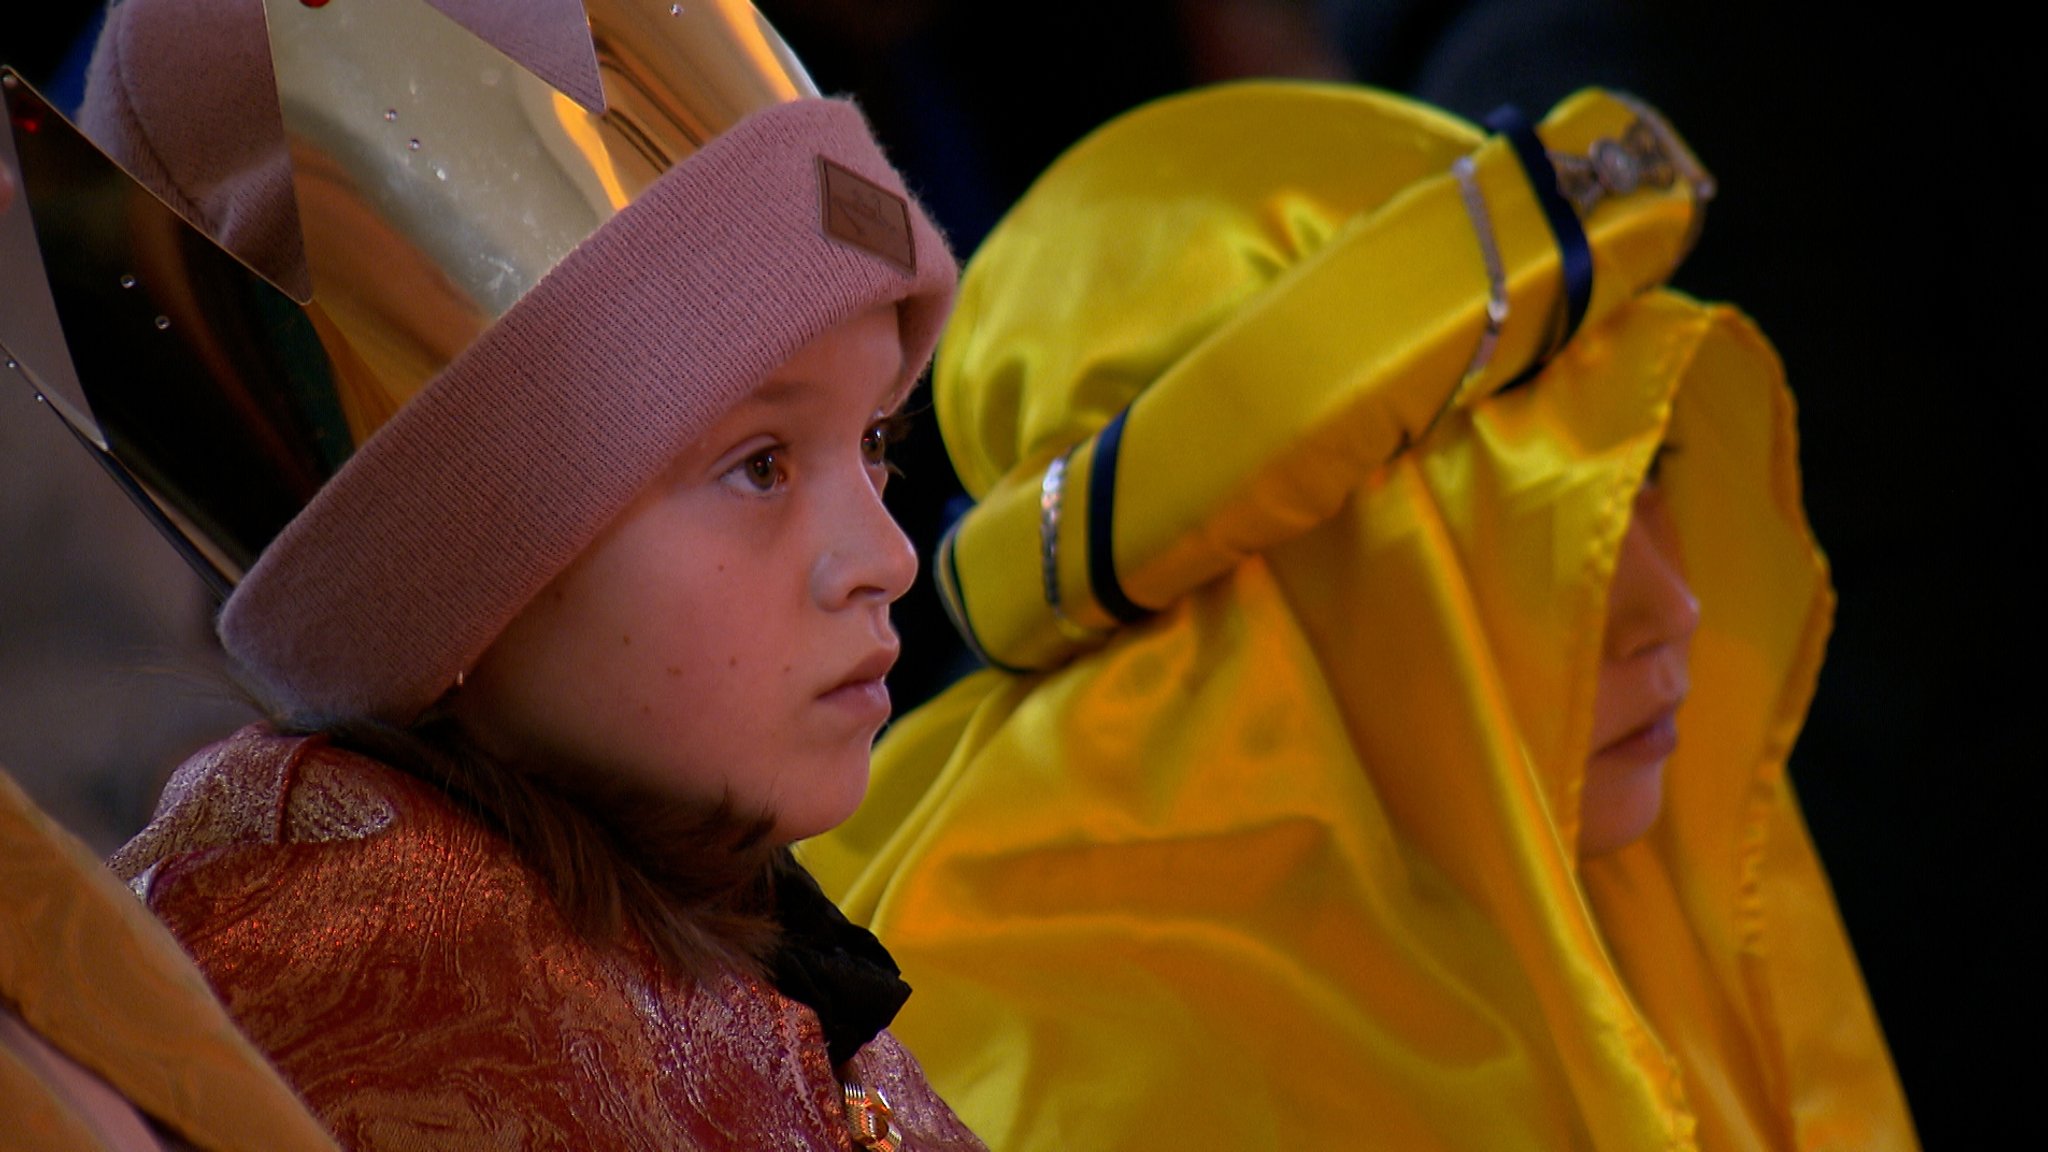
(444,158)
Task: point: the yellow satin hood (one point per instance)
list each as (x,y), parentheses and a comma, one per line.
(1290,863)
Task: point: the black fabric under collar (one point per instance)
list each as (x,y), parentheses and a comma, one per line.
(834,967)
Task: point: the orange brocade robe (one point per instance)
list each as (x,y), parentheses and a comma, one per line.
(413,981)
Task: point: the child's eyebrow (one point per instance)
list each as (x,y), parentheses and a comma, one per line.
(791,391)
(782,391)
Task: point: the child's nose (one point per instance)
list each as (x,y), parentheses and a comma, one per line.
(1651,603)
(866,556)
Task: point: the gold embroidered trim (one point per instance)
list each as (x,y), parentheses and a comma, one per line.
(871,1118)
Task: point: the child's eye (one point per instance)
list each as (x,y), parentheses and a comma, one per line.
(758,474)
(1655,475)
(875,442)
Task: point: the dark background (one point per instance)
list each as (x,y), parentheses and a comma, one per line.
(1870,218)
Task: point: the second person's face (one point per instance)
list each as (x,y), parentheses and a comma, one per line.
(1644,676)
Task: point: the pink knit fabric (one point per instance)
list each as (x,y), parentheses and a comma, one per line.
(455,514)
(181,93)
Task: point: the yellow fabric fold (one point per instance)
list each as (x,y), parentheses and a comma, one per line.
(1359,342)
(1292,863)
(89,970)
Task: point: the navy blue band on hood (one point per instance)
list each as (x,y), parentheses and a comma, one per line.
(1102,581)
(1575,253)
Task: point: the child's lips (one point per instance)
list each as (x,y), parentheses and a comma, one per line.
(864,689)
(1655,740)
(868,699)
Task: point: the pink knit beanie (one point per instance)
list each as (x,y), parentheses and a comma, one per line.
(406,565)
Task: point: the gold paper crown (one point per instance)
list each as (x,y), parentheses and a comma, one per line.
(437,180)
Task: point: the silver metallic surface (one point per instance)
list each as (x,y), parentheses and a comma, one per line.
(200,386)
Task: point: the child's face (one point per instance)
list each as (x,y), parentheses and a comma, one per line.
(729,632)
(1651,617)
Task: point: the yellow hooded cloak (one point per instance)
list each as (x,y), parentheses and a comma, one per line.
(1294,531)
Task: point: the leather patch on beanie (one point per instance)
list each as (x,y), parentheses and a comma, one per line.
(867,216)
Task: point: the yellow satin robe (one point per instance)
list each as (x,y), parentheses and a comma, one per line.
(1291,863)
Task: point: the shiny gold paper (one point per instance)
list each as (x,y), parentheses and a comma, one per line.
(437,180)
